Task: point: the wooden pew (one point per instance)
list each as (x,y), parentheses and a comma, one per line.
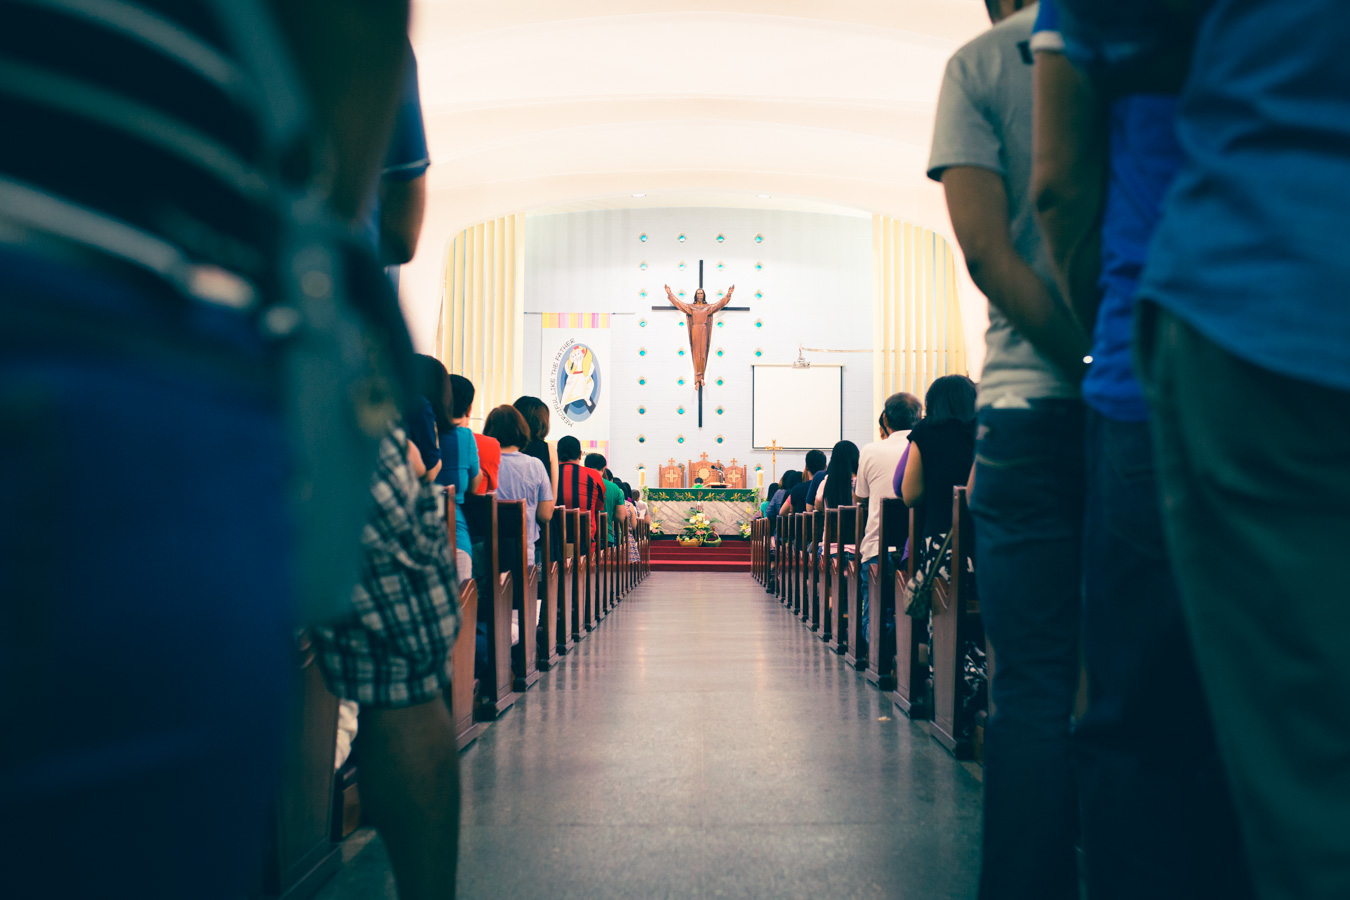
(798,562)
(600,569)
(813,545)
(893,535)
(956,619)
(852,527)
(829,537)
(756,528)
(785,548)
(590,550)
(495,607)
(578,528)
(467,728)
(550,588)
(513,548)
(810,571)
(300,853)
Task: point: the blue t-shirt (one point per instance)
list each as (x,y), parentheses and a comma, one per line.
(458,472)
(815,486)
(1144,158)
(1250,251)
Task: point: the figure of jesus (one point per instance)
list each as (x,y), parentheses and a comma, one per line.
(700,317)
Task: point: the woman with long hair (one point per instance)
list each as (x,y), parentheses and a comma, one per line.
(837,488)
(535,412)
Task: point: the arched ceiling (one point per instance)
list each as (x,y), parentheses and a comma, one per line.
(580,104)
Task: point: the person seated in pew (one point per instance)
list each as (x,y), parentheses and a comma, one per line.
(633,519)
(613,496)
(431,415)
(643,513)
(536,416)
(876,470)
(768,496)
(941,455)
(814,473)
(579,487)
(790,480)
(460,465)
(489,452)
(842,471)
(520,477)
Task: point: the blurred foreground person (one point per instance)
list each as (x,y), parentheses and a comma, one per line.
(177,189)
(1106,154)
(1243,308)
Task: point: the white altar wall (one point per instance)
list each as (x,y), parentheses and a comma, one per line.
(816,278)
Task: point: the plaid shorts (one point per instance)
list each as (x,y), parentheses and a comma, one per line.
(395,649)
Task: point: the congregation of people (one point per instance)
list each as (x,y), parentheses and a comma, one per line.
(205,367)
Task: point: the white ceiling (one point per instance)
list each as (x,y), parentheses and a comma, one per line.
(549,105)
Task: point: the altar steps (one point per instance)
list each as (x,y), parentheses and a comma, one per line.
(731,556)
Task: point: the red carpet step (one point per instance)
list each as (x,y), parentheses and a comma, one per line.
(731,556)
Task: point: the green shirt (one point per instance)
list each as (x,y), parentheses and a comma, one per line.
(613,500)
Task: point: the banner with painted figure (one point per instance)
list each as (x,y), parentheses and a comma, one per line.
(576,348)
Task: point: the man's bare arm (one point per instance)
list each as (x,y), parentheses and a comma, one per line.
(402,207)
(978,204)
(1069,178)
(352,55)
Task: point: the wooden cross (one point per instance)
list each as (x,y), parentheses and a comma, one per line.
(775,448)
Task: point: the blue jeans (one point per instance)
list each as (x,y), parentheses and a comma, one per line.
(1028,511)
(863,579)
(1158,821)
(146,644)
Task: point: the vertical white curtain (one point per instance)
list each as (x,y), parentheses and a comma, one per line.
(917,333)
(482,316)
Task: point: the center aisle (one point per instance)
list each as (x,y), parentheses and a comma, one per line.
(703,743)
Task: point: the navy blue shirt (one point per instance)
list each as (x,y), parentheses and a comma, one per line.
(815,486)
(1144,158)
(407,157)
(1251,249)
(420,423)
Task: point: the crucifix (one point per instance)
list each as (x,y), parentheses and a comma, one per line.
(700,319)
(775,448)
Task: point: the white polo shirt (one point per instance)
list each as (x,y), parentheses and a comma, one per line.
(876,476)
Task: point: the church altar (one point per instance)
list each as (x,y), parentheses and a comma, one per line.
(730,507)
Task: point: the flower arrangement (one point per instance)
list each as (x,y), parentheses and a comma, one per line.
(656,527)
(699,529)
(745,529)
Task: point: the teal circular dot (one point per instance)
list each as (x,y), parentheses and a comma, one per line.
(642,439)
(719,382)
(642,353)
(720,324)
(759,295)
(680,439)
(759,324)
(721,238)
(720,410)
(681,353)
(642,266)
(681,239)
(719,440)
(643,238)
(642,410)
(759,267)
(719,352)
(759,239)
(680,410)
(759,352)
(681,381)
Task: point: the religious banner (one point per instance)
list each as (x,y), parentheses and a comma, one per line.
(576,360)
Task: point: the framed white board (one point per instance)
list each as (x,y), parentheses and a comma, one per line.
(801,409)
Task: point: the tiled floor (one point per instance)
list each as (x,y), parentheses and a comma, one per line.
(702,743)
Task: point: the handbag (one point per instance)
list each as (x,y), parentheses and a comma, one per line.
(918,595)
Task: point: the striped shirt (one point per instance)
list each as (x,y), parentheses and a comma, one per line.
(582,488)
(136,129)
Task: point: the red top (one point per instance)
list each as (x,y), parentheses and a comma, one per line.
(582,488)
(489,458)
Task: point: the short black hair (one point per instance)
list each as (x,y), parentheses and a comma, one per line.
(902,411)
(773,489)
(434,384)
(951,397)
(791,478)
(569,448)
(463,389)
(815,461)
(595,461)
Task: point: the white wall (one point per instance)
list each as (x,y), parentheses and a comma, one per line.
(817,285)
